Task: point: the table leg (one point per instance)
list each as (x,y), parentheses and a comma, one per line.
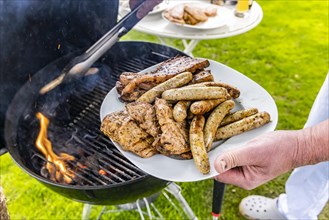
(189,46)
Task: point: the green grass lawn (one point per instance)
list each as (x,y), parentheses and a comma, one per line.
(287,54)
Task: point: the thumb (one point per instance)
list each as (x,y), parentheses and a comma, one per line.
(231,159)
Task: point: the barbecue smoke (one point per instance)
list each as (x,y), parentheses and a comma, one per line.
(35,33)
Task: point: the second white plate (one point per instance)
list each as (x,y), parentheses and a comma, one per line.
(157,9)
(221,19)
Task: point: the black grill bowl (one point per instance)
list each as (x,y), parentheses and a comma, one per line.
(73,112)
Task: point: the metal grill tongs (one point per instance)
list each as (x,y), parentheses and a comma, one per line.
(79,65)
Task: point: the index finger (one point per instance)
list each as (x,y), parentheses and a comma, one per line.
(235,177)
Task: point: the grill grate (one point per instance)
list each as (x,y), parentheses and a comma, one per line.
(86,136)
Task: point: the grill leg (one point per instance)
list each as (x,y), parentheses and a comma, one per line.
(102,212)
(172,188)
(86,212)
(217,198)
(175,190)
(140,210)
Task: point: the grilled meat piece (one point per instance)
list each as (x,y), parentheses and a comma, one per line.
(144,114)
(174,138)
(119,86)
(163,149)
(145,82)
(121,129)
(186,156)
(189,14)
(175,14)
(181,64)
(112,122)
(189,19)
(132,85)
(177,11)
(210,11)
(127,77)
(196,14)
(183,127)
(203,76)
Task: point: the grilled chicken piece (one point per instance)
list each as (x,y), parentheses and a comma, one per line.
(175,14)
(174,138)
(196,13)
(121,129)
(189,19)
(210,11)
(132,85)
(144,114)
(189,14)
(177,11)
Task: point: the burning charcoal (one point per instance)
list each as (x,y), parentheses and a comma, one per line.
(102,172)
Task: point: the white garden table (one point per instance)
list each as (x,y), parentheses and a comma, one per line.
(154,24)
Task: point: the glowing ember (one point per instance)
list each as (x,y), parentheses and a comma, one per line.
(57,164)
(81,166)
(102,172)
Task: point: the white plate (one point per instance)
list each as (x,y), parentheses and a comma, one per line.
(163,167)
(157,9)
(223,16)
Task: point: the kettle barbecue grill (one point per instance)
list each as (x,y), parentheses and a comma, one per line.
(73,110)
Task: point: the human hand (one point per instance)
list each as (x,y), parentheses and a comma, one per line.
(272,154)
(260,160)
(148,6)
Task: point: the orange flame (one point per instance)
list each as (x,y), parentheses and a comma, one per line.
(57,164)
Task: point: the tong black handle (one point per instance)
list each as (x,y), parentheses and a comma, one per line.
(124,25)
(217,198)
(84,61)
(80,64)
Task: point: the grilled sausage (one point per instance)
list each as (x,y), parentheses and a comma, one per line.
(175,82)
(195,93)
(180,110)
(214,120)
(201,107)
(238,115)
(198,149)
(233,91)
(243,125)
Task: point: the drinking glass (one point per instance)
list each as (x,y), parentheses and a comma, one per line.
(242,8)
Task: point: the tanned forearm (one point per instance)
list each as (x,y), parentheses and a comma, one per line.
(313,145)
